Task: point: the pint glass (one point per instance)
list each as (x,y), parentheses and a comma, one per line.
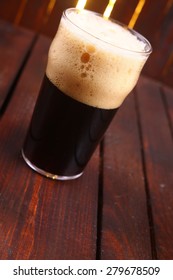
(93,64)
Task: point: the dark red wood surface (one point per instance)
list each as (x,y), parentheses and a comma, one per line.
(41,218)
(167,94)
(157,143)
(125,225)
(8,12)
(124,10)
(121,208)
(15,43)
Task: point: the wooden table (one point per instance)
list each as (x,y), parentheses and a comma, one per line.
(122,206)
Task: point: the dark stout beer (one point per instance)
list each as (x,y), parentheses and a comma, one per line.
(93,64)
(64,133)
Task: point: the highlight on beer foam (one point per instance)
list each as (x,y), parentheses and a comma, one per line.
(94,60)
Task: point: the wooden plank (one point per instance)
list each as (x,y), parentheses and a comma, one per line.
(124,10)
(97,6)
(37,11)
(51,25)
(167,70)
(9,11)
(168,97)
(41,218)
(151,10)
(160,33)
(15,44)
(158,149)
(125,227)
(158,65)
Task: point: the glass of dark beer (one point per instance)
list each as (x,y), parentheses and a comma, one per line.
(93,64)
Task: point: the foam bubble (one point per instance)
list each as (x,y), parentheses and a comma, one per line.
(95,66)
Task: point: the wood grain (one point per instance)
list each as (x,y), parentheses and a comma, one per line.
(41,218)
(15,44)
(167,93)
(157,144)
(121,208)
(125,226)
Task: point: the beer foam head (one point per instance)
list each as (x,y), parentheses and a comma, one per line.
(94,60)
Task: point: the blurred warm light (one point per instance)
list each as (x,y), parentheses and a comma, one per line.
(81,4)
(50,6)
(109,9)
(136,13)
(20,11)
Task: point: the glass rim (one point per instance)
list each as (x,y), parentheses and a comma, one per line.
(148,48)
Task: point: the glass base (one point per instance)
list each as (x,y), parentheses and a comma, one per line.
(47,174)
